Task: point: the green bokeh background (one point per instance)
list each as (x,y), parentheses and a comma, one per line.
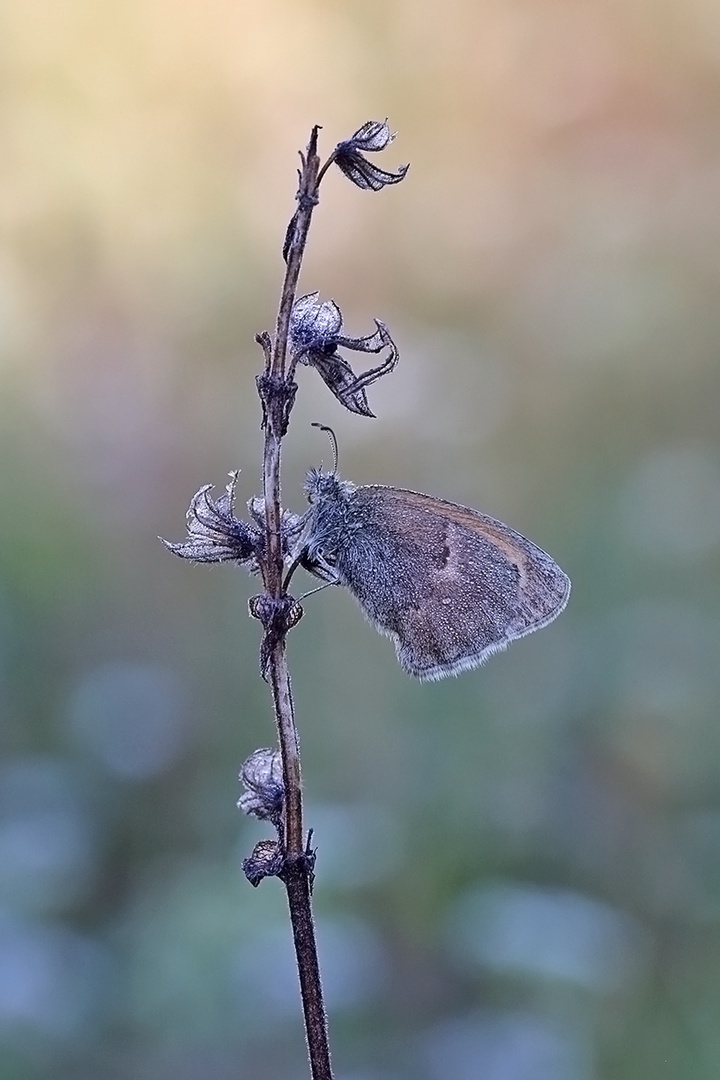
(518,870)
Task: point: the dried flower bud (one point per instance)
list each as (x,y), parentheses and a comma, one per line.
(315,336)
(314,326)
(373,136)
(215,534)
(262,776)
(266,861)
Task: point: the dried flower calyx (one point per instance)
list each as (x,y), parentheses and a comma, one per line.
(262,777)
(215,534)
(315,336)
(267,860)
(373,136)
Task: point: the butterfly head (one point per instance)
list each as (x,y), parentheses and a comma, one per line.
(326,487)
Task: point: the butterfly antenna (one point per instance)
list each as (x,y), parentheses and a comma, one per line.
(333,442)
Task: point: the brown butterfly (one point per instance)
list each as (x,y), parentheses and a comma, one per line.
(449,585)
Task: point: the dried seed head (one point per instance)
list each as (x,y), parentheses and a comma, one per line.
(262,776)
(373,136)
(214,534)
(315,336)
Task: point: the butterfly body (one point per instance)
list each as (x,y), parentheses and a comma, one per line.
(448,584)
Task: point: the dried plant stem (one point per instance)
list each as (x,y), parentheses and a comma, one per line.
(277,395)
(310,332)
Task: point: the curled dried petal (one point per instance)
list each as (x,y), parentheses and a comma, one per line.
(365,175)
(341,380)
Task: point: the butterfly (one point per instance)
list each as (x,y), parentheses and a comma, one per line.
(449,585)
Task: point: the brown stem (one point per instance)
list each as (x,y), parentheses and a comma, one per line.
(298,891)
(279,678)
(277,393)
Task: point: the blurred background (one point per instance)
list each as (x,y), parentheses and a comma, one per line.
(518,870)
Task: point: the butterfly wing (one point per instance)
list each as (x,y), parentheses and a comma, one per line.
(450,585)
